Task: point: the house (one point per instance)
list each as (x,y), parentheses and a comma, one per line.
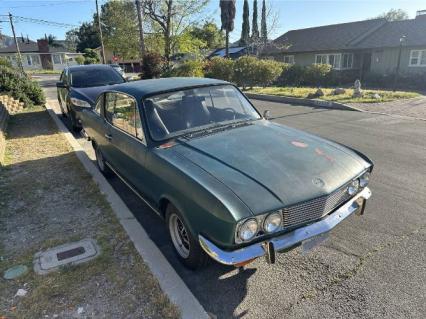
(234,52)
(364,46)
(37,55)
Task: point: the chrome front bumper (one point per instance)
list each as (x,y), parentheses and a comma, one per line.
(287,240)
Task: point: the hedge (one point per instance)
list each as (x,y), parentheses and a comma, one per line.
(20,86)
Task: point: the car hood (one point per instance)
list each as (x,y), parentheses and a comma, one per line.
(89,94)
(269,166)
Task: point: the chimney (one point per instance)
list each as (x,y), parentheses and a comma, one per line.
(43,45)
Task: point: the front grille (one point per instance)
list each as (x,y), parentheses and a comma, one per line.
(314,209)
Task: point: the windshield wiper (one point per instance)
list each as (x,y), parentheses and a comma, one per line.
(216,129)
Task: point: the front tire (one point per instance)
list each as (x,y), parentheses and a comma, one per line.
(186,246)
(100,161)
(74,124)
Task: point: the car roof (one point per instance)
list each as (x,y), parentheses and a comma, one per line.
(143,88)
(89,67)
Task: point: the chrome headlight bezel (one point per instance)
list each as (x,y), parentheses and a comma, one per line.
(278,222)
(261,229)
(242,225)
(364,179)
(353,187)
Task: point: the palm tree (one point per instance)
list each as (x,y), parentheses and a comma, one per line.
(227,15)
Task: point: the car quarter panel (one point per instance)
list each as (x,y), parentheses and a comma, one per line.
(208,206)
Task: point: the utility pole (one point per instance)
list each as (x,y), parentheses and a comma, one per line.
(20,65)
(398,64)
(140,9)
(100,33)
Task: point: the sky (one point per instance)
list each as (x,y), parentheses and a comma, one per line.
(292,14)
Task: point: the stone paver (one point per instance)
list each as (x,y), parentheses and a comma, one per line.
(415,107)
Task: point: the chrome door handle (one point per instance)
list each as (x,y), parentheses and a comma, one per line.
(108,137)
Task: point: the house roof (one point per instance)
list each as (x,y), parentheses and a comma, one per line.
(354,35)
(221,52)
(30,46)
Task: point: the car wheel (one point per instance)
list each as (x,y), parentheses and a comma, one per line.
(100,161)
(186,246)
(74,125)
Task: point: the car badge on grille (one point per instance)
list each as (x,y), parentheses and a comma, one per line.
(318,182)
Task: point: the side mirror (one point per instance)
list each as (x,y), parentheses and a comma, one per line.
(60,85)
(266,114)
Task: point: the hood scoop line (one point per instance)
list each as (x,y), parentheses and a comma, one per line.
(232,167)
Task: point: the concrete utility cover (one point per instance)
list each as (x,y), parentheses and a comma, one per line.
(67,254)
(15,272)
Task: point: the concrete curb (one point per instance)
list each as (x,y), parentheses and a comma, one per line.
(170,282)
(307,102)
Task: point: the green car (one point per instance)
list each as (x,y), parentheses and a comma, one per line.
(229,183)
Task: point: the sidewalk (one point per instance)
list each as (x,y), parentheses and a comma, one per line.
(415,107)
(48,199)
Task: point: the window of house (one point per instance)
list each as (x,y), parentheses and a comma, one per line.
(57,59)
(333,59)
(29,61)
(122,112)
(418,58)
(347,60)
(35,59)
(289,59)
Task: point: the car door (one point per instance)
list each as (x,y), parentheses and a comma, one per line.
(126,150)
(94,123)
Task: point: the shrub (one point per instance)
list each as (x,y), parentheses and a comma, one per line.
(245,71)
(79,59)
(194,68)
(267,72)
(20,87)
(220,68)
(317,74)
(152,65)
(292,75)
(6,63)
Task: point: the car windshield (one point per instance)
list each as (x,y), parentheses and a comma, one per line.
(181,112)
(94,77)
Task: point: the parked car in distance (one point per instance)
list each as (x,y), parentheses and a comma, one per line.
(229,183)
(76,88)
(119,69)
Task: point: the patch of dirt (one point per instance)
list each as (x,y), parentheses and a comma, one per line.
(47,199)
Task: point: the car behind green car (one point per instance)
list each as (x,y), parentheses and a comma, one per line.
(229,183)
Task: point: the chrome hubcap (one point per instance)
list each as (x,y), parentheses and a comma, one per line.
(179,236)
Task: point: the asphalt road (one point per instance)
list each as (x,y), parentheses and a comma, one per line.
(371,267)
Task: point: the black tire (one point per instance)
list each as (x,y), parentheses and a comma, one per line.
(103,168)
(194,256)
(74,124)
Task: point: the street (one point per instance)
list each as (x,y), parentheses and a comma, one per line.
(371,266)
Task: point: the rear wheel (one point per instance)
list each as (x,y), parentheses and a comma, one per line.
(105,170)
(186,246)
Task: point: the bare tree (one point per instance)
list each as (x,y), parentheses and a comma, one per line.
(227,15)
(173,17)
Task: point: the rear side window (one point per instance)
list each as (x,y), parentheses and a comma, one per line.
(122,112)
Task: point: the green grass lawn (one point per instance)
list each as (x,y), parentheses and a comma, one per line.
(302,92)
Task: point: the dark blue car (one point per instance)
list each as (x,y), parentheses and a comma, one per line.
(78,86)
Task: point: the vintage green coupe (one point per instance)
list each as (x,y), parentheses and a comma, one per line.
(230,184)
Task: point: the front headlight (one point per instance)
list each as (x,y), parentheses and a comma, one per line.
(80,103)
(272,223)
(353,187)
(248,230)
(364,179)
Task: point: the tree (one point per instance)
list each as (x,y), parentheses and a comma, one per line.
(245,29)
(71,40)
(173,18)
(255,28)
(263,27)
(394,15)
(210,34)
(90,56)
(51,40)
(227,16)
(120,28)
(86,36)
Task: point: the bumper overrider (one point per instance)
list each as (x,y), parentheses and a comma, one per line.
(288,240)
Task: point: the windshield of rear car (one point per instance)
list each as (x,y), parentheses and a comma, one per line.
(94,77)
(181,112)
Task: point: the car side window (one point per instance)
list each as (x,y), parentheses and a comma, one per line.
(122,112)
(99,104)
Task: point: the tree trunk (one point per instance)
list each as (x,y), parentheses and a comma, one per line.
(167,40)
(227,44)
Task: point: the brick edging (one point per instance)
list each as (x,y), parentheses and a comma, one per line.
(300,101)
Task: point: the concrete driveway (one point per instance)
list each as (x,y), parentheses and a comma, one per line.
(371,267)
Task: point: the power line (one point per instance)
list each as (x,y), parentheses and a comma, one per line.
(42,22)
(49,4)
